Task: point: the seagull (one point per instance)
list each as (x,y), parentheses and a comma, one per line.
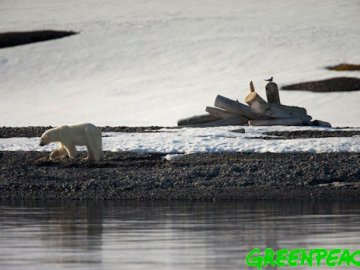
(269,80)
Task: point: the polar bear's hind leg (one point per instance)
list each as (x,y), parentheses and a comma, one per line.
(71,150)
(99,154)
(94,144)
(90,153)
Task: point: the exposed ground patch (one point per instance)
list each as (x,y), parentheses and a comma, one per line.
(344,67)
(304,134)
(339,84)
(10,39)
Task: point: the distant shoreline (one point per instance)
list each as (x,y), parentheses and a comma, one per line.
(36,131)
(201,176)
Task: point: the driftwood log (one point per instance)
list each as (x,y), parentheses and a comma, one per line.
(236,107)
(272,93)
(252,97)
(219,113)
(275,110)
(232,121)
(319,123)
(257,112)
(277,122)
(252,88)
(224,115)
(255,97)
(197,119)
(278,112)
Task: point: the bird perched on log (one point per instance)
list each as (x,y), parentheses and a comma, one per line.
(269,80)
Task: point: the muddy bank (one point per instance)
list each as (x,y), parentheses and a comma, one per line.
(30,175)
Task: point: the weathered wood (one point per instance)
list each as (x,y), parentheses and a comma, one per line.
(232,121)
(197,119)
(272,93)
(236,107)
(319,123)
(253,96)
(277,122)
(278,111)
(224,114)
(290,109)
(252,88)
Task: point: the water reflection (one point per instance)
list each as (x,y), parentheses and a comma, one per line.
(165,235)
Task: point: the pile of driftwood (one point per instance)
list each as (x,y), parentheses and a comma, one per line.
(257,112)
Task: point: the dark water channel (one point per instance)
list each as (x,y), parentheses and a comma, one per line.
(166,235)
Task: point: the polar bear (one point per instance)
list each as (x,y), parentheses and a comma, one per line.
(69,136)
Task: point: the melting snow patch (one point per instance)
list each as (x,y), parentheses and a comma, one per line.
(196,140)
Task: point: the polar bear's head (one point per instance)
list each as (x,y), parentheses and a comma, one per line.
(49,136)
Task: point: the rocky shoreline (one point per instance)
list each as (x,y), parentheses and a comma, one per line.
(221,176)
(36,131)
(201,176)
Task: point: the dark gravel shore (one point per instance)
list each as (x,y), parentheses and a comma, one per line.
(30,175)
(36,131)
(304,134)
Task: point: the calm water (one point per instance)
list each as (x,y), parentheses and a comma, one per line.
(162,235)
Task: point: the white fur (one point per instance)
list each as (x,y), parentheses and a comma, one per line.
(69,136)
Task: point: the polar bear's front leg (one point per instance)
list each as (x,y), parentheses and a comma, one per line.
(60,152)
(71,150)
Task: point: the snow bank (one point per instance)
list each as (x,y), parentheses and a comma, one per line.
(195,140)
(140,62)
